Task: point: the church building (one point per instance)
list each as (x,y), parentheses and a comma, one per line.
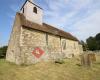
(33,41)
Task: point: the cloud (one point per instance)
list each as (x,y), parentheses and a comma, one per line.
(89,26)
(78,4)
(61,11)
(57,4)
(75,16)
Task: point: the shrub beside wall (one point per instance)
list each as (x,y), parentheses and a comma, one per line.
(3,51)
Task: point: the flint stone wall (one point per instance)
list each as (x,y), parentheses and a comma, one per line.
(51,45)
(13,51)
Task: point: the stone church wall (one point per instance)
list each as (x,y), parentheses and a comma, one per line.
(13,51)
(69,48)
(32,39)
(54,47)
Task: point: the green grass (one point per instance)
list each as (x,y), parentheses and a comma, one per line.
(69,70)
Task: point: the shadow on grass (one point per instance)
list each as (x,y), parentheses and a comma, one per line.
(60,61)
(97,63)
(78,64)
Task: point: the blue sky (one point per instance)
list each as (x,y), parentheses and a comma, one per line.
(79,17)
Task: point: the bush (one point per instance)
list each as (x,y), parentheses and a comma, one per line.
(60,61)
(93,43)
(3,51)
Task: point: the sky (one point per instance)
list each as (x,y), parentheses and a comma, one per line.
(79,17)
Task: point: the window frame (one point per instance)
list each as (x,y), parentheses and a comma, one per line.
(35,10)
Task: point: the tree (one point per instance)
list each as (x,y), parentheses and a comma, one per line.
(3,51)
(92,44)
(84,45)
(97,37)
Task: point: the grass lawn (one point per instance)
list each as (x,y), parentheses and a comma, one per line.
(70,70)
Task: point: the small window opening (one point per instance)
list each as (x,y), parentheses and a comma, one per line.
(64,45)
(35,10)
(23,10)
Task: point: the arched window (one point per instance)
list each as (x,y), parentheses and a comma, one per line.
(35,10)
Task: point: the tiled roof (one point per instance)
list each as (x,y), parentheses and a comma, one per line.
(45,28)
